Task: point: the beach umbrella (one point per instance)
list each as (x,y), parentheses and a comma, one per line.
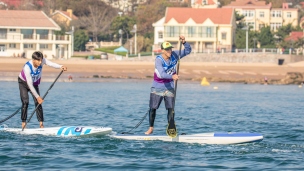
(120,49)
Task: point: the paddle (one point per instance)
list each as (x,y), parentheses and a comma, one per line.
(43,99)
(171,128)
(3,120)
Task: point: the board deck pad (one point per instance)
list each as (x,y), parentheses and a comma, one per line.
(171,129)
(65,131)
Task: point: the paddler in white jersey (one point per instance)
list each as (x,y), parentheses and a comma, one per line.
(29,80)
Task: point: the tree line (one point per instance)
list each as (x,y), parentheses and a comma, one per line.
(98,21)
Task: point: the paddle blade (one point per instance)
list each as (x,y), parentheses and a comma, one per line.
(171,129)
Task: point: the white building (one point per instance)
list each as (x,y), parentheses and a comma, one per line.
(159,30)
(124,5)
(205,4)
(205,29)
(23,32)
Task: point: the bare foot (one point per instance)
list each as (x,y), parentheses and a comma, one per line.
(23,125)
(150,131)
(41,125)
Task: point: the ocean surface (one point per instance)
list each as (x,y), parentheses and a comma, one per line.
(276,111)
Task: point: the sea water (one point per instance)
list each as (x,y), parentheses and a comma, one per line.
(276,111)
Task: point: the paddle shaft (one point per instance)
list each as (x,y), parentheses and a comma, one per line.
(177,70)
(43,99)
(171,128)
(3,120)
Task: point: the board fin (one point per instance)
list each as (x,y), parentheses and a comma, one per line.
(171,129)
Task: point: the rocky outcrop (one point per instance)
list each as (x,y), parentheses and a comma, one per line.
(293,78)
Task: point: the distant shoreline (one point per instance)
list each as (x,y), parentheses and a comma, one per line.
(85,70)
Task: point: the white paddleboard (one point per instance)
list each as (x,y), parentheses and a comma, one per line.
(64,131)
(204,138)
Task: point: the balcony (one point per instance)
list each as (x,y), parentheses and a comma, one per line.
(44,37)
(3,36)
(27,36)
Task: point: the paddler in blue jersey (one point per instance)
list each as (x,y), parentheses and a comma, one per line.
(29,80)
(164,77)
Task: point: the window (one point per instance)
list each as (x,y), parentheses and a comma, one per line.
(12,45)
(248,13)
(2,48)
(44,46)
(276,14)
(261,26)
(190,31)
(160,35)
(28,46)
(12,30)
(172,31)
(224,35)
(275,26)
(289,15)
(206,32)
(262,15)
(209,32)
(3,33)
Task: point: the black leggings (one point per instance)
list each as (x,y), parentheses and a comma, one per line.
(24,89)
(152,114)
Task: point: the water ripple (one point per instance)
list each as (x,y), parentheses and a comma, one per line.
(274,111)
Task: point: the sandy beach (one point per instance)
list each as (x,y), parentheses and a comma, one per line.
(81,69)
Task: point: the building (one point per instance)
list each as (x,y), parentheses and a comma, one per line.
(205,4)
(295,36)
(63,17)
(258,14)
(207,30)
(18,3)
(125,5)
(23,32)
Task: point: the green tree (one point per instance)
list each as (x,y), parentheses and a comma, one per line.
(266,38)
(80,39)
(240,39)
(125,23)
(149,13)
(96,18)
(283,32)
(240,34)
(299,43)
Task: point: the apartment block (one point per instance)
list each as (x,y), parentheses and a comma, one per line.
(23,32)
(258,14)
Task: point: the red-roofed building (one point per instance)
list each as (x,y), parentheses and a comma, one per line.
(23,32)
(205,29)
(258,14)
(64,17)
(295,35)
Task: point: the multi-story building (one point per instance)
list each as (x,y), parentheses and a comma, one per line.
(259,14)
(63,17)
(124,5)
(205,4)
(207,30)
(23,32)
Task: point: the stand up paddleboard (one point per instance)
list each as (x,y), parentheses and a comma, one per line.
(64,131)
(204,138)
